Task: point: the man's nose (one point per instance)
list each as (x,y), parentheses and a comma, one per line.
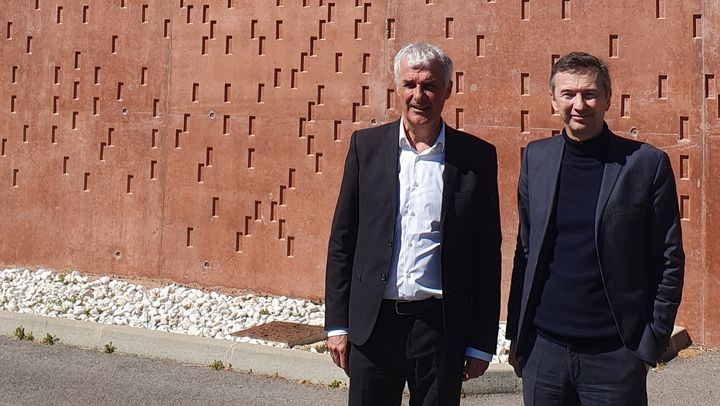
(579,102)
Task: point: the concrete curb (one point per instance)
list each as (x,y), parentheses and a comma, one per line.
(258,359)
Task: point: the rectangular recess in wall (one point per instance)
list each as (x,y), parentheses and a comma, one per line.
(154,138)
(276,77)
(128,189)
(96,75)
(238,242)
(390,28)
(710,86)
(188,237)
(226,93)
(336,130)
(321,29)
(251,153)
(86,182)
(153,166)
(525,10)
(459,82)
(697,26)
(625,105)
(320,95)
(390,99)
(200,172)
(331,12)
(278,29)
(214,208)
(26,127)
(659,8)
(15,177)
(226,124)
(281,195)
(66,160)
(685,167)
(524,84)
(662,86)
(480,46)
(228,44)
(366,63)
(3,142)
(338,63)
(318,162)
(684,131)
(166,28)
(565,9)
(459,118)
(290,246)
(56,76)
(524,121)
(357,32)
(251,125)
(685,207)
(449,28)
(614,43)
(291,178)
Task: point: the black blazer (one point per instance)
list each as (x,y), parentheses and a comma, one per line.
(637,237)
(363,228)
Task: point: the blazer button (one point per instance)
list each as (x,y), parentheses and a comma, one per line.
(383,277)
(389,243)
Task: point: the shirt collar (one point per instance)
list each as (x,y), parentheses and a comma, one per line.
(439,142)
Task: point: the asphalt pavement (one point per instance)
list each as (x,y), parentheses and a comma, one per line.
(155,368)
(32,373)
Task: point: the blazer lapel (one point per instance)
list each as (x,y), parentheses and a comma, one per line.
(391,158)
(549,179)
(611,171)
(449,173)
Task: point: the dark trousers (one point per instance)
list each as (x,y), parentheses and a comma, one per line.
(555,374)
(406,348)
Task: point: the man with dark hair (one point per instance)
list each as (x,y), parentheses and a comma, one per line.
(598,271)
(412,290)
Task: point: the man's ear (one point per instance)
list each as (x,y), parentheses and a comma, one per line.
(552,100)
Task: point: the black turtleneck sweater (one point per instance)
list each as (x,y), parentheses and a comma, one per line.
(573,306)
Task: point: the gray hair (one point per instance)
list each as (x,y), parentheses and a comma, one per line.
(421,54)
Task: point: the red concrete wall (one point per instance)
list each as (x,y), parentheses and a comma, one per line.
(203,141)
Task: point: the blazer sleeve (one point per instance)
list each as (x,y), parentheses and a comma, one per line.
(521,253)
(487,297)
(342,244)
(668,256)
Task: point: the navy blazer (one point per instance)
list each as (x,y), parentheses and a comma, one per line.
(363,228)
(637,238)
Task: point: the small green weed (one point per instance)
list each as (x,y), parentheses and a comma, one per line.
(20,333)
(50,339)
(335,384)
(110,348)
(217,365)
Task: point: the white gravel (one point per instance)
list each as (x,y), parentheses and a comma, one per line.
(169,308)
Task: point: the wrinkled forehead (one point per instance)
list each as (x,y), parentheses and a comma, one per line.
(587,77)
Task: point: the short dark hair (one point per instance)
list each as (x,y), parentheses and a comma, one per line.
(575,62)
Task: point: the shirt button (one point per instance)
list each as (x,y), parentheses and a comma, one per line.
(412,214)
(410,244)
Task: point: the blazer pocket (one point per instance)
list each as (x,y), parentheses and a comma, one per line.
(635,208)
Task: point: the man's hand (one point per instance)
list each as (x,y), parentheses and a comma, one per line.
(516,363)
(338,347)
(474,367)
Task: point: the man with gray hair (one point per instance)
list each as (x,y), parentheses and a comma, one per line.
(413,271)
